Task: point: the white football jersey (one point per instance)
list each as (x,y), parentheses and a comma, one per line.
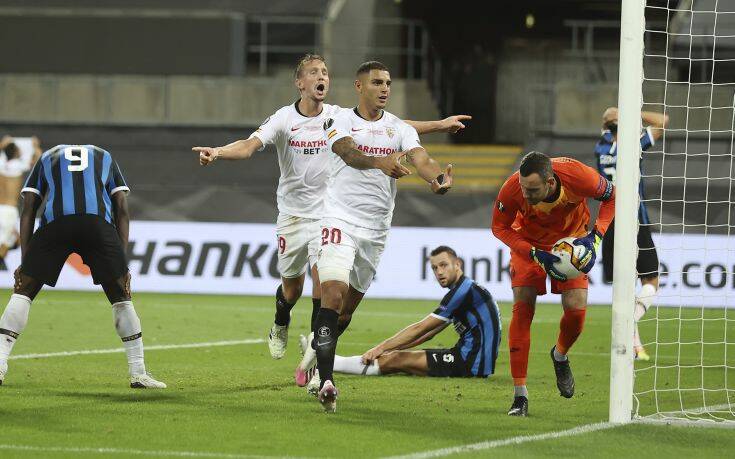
(365,197)
(302,157)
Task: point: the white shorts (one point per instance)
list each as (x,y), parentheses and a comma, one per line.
(349,253)
(297,244)
(8,225)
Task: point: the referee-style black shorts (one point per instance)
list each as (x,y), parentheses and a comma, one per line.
(446,363)
(90,236)
(647,263)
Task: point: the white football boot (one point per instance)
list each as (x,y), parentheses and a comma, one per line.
(313,385)
(328,397)
(277,340)
(306,368)
(145,381)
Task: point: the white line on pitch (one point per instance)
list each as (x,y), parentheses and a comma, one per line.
(579,430)
(155,347)
(132,452)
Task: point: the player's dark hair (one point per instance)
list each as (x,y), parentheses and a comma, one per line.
(443,249)
(536,163)
(366,67)
(305,59)
(12,151)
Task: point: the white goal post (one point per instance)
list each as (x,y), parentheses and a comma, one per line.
(630,100)
(676,58)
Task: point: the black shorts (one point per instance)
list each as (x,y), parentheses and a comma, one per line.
(90,236)
(647,263)
(446,363)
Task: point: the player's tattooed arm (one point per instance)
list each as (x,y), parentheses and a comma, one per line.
(390,165)
(450,124)
(430,170)
(240,149)
(122,217)
(403,338)
(31,203)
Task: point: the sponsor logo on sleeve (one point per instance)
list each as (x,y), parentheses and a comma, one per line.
(328,123)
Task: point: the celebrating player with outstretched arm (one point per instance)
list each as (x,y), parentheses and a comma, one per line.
(606,154)
(86,212)
(468,307)
(543,202)
(296,131)
(359,208)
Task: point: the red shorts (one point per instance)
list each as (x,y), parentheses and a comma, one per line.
(524,272)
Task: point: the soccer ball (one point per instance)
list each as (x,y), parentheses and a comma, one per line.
(570,255)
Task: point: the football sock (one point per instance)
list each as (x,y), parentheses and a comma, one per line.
(559,357)
(316,304)
(354,366)
(326,343)
(636,336)
(570,327)
(520,391)
(644,299)
(283,308)
(12,323)
(519,341)
(342,324)
(128,329)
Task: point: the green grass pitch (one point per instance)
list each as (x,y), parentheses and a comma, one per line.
(235,400)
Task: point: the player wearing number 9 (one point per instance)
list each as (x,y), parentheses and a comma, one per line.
(86,212)
(468,307)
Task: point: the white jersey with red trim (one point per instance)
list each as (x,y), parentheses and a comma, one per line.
(365,197)
(302,157)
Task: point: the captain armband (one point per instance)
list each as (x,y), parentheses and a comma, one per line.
(605,189)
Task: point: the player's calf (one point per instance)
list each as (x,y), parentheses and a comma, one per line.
(278,335)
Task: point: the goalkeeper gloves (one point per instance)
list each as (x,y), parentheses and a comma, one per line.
(546,261)
(592,243)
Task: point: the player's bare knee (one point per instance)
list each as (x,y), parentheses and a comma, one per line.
(316,286)
(333,294)
(26,286)
(650,280)
(574,298)
(292,288)
(526,295)
(118,290)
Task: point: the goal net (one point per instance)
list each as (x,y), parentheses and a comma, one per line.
(687,190)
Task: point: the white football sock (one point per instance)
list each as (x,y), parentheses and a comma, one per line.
(559,357)
(128,329)
(354,366)
(12,323)
(520,391)
(636,337)
(644,299)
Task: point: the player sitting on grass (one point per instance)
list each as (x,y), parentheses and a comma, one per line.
(468,307)
(544,201)
(86,212)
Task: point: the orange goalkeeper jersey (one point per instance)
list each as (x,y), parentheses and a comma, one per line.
(521,225)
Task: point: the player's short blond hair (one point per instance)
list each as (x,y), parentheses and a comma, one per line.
(305,60)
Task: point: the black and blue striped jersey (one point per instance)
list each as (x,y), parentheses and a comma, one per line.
(76,180)
(476,318)
(606,153)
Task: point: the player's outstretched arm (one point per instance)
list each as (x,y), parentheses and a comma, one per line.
(31,203)
(450,124)
(240,149)
(390,165)
(428,336)
(404,337)
(122,217)
(656,121)
(429,170)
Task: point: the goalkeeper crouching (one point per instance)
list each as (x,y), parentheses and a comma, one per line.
(468,307)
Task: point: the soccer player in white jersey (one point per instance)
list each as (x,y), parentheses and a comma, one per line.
(358,208)
(296,131)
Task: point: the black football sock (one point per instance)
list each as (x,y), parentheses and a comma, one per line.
(342,325)
(326,343)
(316,305)
(283,308)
